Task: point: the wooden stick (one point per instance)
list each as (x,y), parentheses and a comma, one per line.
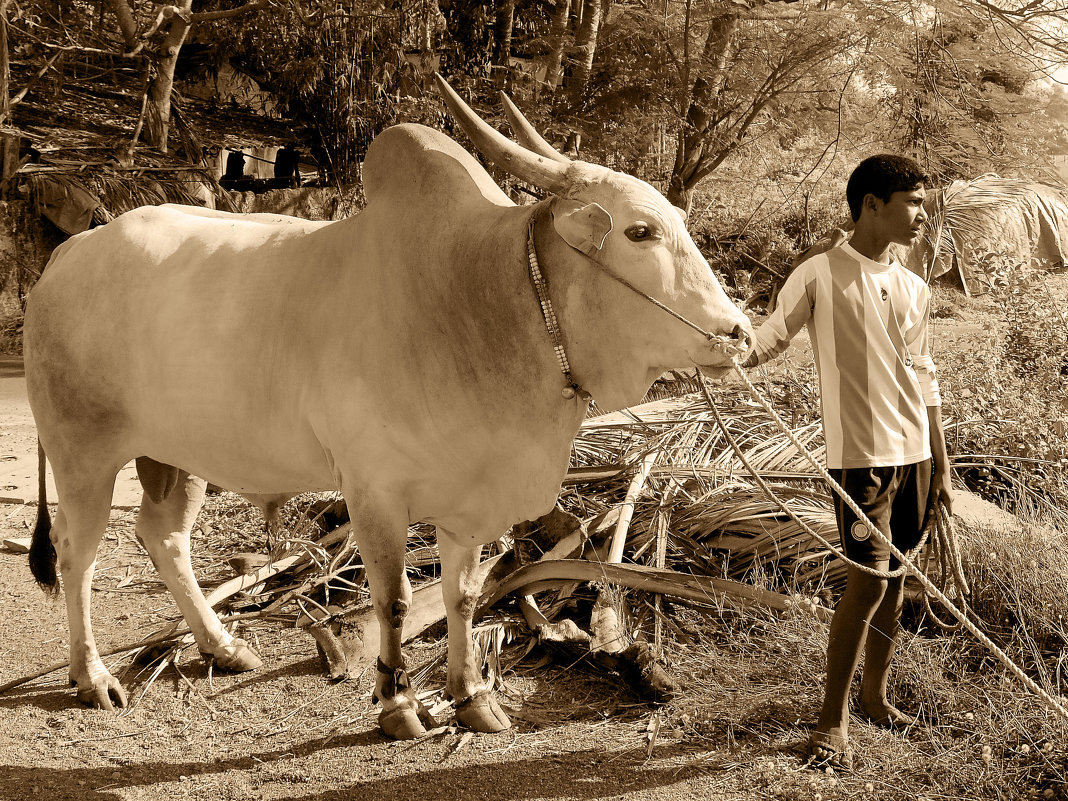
(619,536)
(607,634)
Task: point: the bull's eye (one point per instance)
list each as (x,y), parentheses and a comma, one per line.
(641,232)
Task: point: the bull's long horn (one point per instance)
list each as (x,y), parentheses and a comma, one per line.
(526,134)
(548,174)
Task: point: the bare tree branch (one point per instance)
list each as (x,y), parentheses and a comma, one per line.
(248,8)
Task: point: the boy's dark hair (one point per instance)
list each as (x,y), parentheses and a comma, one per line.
(882,175)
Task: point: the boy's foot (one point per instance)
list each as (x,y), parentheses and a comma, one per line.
(888,716)
(829,751)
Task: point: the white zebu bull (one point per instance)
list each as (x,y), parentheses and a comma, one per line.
(399,356)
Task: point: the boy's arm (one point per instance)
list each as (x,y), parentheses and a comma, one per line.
(941,479)
(919,347)
(793,308)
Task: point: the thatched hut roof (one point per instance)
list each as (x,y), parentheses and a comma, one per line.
(75,138)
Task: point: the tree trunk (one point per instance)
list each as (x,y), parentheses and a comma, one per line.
(159,93)
(699,129)
(586,47)
(127,23)
(503,22)
(5,67)
(557,34)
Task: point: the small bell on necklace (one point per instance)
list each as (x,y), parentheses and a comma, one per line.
(568,393)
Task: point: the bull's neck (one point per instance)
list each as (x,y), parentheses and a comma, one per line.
(599,321)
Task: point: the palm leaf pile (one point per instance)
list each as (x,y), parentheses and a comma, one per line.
(714,518)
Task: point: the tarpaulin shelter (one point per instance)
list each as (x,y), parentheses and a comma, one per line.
(981,231)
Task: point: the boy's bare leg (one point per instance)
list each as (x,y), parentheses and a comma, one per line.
(849,628)
(882,641)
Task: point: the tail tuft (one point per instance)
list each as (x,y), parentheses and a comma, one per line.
(42,551)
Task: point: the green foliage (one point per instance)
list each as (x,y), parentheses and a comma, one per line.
(470,26)
(966,98)
(339,75)
(1007,401)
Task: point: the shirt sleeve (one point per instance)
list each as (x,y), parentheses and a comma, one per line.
(918,344)
(793,308)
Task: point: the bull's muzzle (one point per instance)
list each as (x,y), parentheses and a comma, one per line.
(725,348)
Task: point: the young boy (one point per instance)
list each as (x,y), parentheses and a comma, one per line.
(867,319)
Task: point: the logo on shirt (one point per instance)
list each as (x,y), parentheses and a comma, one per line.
(859,531)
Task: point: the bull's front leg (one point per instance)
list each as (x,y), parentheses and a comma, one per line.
(381,535)
(461,583)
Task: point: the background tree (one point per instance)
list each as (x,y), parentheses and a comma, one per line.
(957,85)
(675,90)
(163,36)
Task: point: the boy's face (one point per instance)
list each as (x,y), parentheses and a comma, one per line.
(901,218)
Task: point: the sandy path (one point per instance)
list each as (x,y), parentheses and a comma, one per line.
(18,446)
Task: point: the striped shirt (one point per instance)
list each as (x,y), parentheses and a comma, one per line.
(868,326)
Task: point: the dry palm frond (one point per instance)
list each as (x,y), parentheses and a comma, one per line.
(719,522)
(490,640)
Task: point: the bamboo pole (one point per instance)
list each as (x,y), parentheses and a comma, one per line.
(619,536)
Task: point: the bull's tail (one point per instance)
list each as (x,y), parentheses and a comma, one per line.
(42,551)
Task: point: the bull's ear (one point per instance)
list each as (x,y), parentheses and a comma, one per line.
(584,226)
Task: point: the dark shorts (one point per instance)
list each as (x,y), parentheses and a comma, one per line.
(895,498)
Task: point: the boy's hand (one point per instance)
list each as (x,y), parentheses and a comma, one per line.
(750,360)
(942,489)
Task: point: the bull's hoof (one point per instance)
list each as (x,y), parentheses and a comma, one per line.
(236,657)
(481,712)
(405,722)
(105,693)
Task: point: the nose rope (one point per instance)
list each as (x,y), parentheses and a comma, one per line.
(552,325)
(657,303)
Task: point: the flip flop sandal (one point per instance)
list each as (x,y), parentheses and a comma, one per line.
(829,751)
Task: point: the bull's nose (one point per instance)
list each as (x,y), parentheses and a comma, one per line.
(740,334)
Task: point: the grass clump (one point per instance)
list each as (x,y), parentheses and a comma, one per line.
(754,682)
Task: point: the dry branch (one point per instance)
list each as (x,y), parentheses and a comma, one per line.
(699,589)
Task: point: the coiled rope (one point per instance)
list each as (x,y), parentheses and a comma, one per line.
(944,538)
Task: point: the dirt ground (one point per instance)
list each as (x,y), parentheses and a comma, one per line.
(285,732)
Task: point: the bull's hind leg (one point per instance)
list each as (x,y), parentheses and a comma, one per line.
(461,583)
(84,506)
(163,527)
(381,534)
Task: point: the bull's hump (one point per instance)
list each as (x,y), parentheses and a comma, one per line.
(414,161)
